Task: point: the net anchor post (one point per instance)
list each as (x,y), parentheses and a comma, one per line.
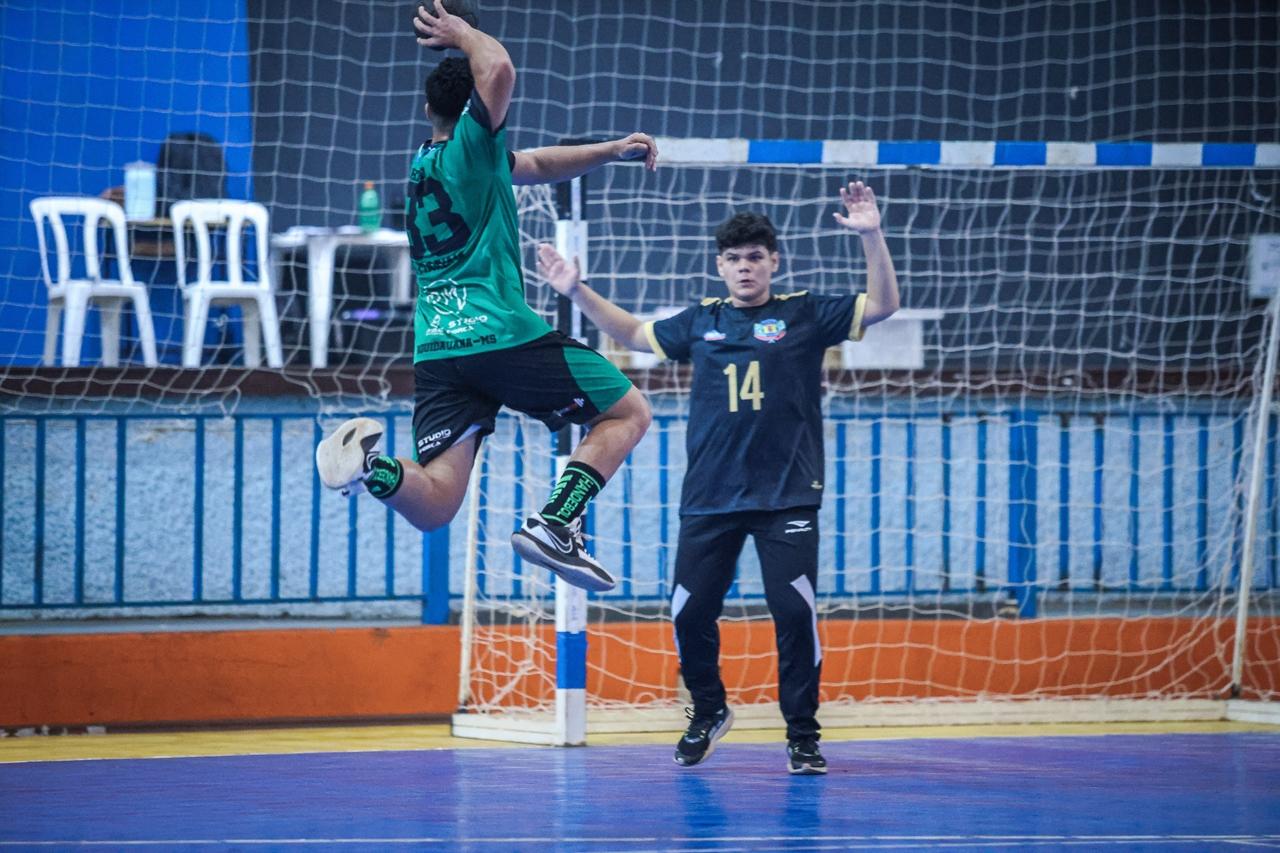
(1261,429)
(571,602)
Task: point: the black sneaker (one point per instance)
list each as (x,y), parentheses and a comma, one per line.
(559,547)
(804,758)
(700,738)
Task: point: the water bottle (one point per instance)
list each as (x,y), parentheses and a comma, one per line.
(139,190)
(370,209)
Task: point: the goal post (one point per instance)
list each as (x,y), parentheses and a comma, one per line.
(1051,481)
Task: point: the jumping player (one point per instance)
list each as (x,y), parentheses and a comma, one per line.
(478,346)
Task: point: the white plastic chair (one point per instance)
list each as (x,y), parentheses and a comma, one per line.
(69,298)
(256,298)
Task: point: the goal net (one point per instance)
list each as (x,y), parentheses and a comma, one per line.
(1041,474)
(1036,473)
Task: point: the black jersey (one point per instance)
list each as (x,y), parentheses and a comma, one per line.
(755,416)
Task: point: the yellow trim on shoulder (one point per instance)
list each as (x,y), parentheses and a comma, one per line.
(859,308)
(783,297)
(653,340)
(711,300)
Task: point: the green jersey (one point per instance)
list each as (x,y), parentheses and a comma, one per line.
(464,241)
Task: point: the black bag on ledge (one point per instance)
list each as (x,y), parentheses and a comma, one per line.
(190,165)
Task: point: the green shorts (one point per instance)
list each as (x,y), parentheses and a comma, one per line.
(552,378)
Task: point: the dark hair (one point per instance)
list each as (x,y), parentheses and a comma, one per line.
(449,86)
(745,229)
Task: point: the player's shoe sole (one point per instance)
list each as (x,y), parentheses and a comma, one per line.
(340,458)
(559,549)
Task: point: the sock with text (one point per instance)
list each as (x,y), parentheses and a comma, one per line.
(576,487)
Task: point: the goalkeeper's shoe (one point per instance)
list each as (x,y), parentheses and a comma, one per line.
(559,547)
(804,758)
(700,738)
(343,458)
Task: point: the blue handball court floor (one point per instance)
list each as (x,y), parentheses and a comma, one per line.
(1115,792)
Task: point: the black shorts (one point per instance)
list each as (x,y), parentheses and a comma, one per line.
(553,378)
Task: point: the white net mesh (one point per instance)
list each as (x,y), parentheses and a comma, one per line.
(1090,326)
(298,103)
(1059,428)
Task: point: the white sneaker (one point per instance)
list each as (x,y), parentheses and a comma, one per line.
(560,548)
(342,459)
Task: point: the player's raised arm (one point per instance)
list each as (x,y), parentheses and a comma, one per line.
(565,279)
(563,162)
(491,67)
(862,214)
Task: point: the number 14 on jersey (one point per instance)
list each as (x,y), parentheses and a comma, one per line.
(750,389)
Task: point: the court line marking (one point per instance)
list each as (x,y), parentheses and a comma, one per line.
(810,843)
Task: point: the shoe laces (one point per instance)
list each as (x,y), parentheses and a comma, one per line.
(805,746)
(574,529)
(699,724)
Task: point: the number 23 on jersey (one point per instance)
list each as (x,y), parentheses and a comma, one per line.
(421,242)
(749,391)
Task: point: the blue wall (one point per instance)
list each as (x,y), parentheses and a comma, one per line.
(84,93)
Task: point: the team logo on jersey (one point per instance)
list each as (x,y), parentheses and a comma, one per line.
(770,331)
(713,335)
(444,296)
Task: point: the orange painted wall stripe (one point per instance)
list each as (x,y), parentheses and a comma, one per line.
(378,673)
(227,676)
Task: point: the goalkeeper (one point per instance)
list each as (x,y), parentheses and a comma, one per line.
(477,344)
(755,456)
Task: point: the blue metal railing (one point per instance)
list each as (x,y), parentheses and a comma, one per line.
(118,501)
(26,573)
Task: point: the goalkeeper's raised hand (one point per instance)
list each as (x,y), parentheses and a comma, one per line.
(861,213)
